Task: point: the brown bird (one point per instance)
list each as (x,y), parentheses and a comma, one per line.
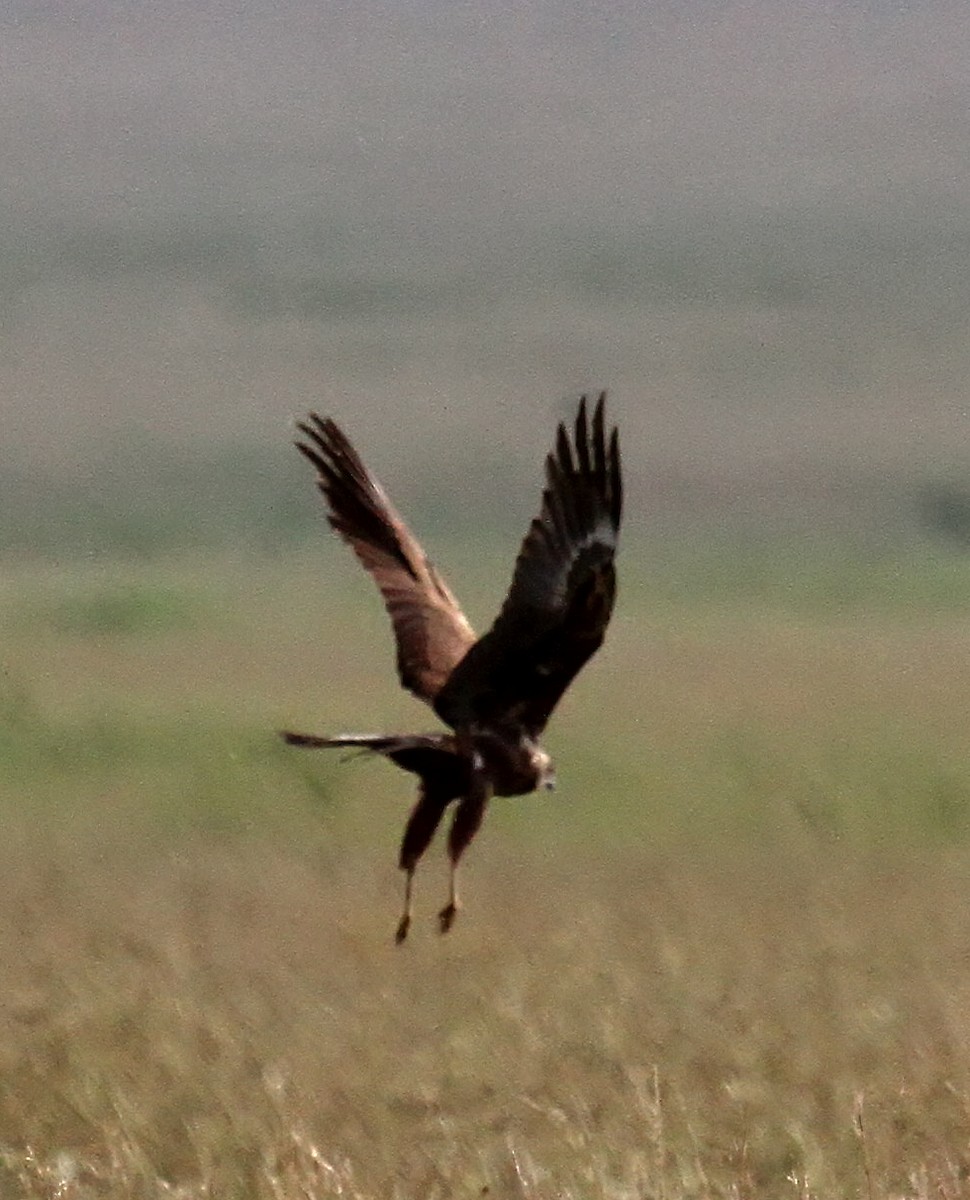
(496,692)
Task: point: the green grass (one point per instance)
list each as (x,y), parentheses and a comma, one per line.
(107,610)
(726,958)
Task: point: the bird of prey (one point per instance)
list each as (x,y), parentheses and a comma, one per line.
(498,691)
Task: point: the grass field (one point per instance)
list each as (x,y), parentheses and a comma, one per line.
(728,957)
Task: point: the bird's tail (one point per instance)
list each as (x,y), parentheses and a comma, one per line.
(377,743)
(433,756)
(410,750)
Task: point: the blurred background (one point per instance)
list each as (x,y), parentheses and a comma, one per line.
(728,957)
(441,221)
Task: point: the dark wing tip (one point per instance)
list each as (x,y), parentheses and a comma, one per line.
(326,435)
(616,479)
(597,456)
(581,438)
(339,466)
(315,446)
(606,467)
(564,450)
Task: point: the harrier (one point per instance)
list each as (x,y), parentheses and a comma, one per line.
(496,692)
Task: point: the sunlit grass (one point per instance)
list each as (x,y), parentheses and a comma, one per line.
(232,1019)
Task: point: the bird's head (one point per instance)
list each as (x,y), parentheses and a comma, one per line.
(544,768)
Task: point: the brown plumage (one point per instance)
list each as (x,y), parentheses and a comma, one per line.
(496,692)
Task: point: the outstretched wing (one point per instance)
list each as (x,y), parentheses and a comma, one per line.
(562,592)
(431,631)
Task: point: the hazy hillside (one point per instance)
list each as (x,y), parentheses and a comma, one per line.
(749,220)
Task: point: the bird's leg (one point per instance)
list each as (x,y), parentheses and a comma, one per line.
(465,824)
(446,918)
(422,823)
(405,922)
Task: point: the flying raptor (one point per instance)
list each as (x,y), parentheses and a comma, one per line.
(498,691)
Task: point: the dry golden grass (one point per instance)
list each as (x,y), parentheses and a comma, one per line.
(730,957)
(231,1019)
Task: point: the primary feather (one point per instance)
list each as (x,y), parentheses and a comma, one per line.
(431,631)
(562,592)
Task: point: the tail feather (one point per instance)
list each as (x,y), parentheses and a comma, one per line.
(433,756)
(377,743)
(309,740)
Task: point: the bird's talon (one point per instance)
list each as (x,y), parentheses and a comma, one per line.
(402,930)
(446,918)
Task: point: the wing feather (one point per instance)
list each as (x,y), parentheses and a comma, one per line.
(562,591)
(431,631)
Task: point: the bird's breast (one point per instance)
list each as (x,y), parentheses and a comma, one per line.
(509,763)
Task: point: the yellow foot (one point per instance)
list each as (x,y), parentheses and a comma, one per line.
(446,918)
(402,929)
